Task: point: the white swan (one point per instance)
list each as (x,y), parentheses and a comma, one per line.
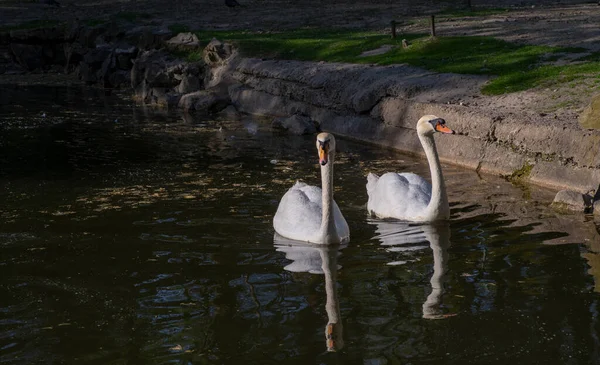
(309,213)
(408,196)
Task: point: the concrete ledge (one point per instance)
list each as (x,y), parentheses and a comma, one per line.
(382,104)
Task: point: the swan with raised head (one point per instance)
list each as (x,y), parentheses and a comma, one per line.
(309,213)
(408,196)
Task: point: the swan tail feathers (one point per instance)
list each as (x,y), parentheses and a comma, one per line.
(371,182)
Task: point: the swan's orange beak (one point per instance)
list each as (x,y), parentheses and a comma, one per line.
(443,129)
(323,153)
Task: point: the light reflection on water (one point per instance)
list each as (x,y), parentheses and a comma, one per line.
(150,240)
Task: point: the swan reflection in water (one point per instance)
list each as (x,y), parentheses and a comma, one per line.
(318,259)
(404,237)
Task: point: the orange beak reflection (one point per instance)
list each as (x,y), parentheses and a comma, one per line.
(443,129)
(323,153)
(330,339)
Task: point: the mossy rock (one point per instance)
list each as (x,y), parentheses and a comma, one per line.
(522,173)
(568,200)
(590,117)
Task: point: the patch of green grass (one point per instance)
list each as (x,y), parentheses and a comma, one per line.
(132,17)
(32,25)
(189,56)
(179,28)
(194,56)
(306,45)
(544,76)
(517,67)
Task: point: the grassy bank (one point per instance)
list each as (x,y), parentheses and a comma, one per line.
(515,67)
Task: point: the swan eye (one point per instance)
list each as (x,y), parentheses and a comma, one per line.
(437,121)
(324,145)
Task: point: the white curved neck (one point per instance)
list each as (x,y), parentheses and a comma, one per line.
(438,205)
(332,307)
(329,266)
(327,230)
(439,241)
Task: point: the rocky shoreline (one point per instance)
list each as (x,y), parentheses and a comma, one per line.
(374,104)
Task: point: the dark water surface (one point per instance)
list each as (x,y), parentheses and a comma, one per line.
(131,236)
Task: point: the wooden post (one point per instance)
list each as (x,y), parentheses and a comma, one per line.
(433,26)
(393,29)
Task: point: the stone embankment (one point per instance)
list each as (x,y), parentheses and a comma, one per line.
(382,104)
(375,104)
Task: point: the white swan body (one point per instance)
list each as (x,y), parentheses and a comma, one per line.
(309,213)
(407,196)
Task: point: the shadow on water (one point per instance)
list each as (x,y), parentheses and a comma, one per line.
(52,132)
(149,240)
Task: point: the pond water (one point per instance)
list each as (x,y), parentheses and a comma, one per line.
(132,236)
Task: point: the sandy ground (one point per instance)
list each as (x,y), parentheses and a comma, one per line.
(567,25)
(572,25)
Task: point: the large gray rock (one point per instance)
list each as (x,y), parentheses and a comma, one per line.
(92,64)
(221,60)
(230,113)
(188,84)
(148,37)
(161,97)
(205,101)
(125,54)
(184,41)
(151,68)
(596,207)
(7,66)
(29,56)
(296,124)
(74,53)
(38,35)
(572,200)
(590,117)
(85,36)
(114,33)
(158,73)
(106,64)
(217,53)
